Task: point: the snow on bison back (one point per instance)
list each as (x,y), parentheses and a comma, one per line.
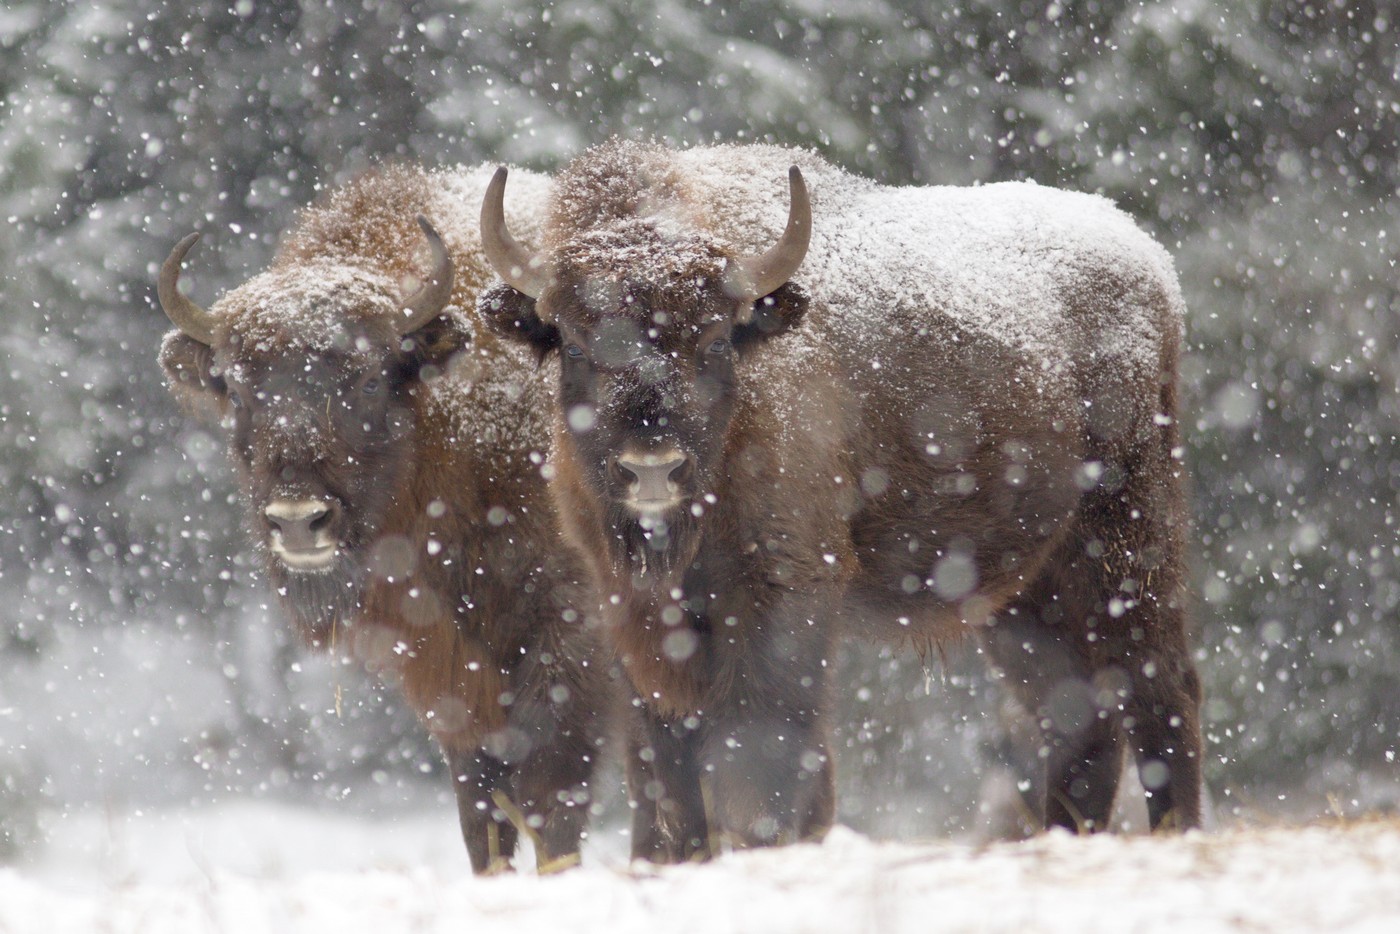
(795,404)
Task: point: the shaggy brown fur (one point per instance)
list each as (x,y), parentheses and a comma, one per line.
(920,449)
(450,577)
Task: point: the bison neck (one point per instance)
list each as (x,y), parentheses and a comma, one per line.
(718,632)
(661,627)
(709,615)
(404,605)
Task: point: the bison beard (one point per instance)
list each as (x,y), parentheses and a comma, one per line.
(660,547)
(316,603)
(971,432)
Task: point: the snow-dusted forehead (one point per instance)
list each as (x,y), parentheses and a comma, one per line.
(638,251)
(620,213)
(313,307)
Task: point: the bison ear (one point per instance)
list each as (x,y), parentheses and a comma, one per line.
(189,368)
(773,314)
(434,344)
(512,314)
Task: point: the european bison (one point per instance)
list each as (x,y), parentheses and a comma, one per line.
(909,413)
(393,489)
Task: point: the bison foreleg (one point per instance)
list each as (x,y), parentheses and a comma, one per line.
(663,781)
(487,830)
(771,777)
(1082,774)
(1075,767)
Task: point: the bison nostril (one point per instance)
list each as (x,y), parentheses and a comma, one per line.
(299,522)
(653,477)
(682,473)
(620,473)
(322,521)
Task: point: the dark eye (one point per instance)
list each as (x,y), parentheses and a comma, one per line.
(235,398)
(371,386)
(575,351)
(719,346)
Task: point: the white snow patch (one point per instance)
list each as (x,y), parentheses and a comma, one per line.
(255,868)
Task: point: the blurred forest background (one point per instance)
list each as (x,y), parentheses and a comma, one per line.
(139,662)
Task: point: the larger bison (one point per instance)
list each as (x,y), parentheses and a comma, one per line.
(907,413)
(389,455)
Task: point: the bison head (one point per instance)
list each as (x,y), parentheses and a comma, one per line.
(313,369)
(651,321)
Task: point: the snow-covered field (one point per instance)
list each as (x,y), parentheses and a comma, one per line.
(263,868)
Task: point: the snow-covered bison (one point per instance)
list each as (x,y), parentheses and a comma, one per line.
(389,455)
(908,413)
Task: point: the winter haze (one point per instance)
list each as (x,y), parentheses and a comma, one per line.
(143,667)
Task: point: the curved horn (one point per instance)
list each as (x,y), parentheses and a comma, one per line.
(512,262)
(429,301)
(763,275)
(183,313)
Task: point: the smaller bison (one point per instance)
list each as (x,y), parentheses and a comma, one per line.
(906,413)
(389,458)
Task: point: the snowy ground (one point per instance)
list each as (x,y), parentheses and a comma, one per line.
(262,868)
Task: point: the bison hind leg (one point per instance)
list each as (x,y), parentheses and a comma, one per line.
(1162,718)
(1135,547)
(1097,647)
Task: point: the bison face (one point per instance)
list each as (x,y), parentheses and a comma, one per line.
(648,319)
(315,382)
(648,384)
(315,438)
(646,405)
